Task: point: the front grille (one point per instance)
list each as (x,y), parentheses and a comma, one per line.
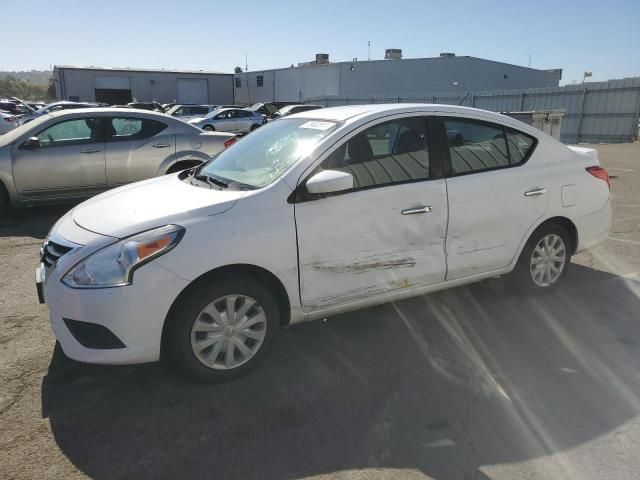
(51,252)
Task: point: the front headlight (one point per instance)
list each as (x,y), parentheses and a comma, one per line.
(113,266)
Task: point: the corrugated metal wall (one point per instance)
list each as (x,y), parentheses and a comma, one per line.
(595,112)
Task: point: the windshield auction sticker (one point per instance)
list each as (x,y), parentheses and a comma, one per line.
(317,125)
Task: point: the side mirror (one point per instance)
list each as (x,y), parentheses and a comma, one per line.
(329,181)
(31,143)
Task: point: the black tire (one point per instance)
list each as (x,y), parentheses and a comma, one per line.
(5,203)
(183,317)
(254,126)
(209,128)
(179,167)
(523,275)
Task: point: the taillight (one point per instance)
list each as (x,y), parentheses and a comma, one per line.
(600,173)
(230,142)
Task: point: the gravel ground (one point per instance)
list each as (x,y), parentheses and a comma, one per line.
(473,382)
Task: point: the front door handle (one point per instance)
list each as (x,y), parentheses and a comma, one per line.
(90,150)
(535,191)
(413,211)
(161,145)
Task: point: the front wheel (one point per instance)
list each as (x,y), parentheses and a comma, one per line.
(5,203)
(224,329)
(545,259)
(209,128)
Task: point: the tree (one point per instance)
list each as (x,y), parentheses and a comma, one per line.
(237,70)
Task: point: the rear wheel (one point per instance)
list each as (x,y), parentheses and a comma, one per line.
(223,330)
(254,126)
(209,128)
(545,259)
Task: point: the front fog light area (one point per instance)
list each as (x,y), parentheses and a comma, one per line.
(113,266)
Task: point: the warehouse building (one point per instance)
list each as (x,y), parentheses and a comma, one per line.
(392,76)
(119,86)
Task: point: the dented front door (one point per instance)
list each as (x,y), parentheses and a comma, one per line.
(371,242)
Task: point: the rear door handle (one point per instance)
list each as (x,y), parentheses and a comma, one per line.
(413,211)
(535,191)
(161,145)
(90,150)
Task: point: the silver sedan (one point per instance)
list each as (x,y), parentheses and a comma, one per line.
(237,120)
(74,154)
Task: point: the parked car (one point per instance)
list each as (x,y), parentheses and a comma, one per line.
(291,109)
(7,122)
(316,214)
(36,105)
(14,107)
(267,109)
(229,120)
(73,154)
(54,107)
(152,106)
(187,112)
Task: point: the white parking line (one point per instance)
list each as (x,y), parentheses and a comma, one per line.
(625,241)
(625,219)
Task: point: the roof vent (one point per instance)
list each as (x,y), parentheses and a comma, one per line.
(322,58)
(393,54)
(447,54)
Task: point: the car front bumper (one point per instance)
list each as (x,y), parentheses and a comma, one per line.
(86,321)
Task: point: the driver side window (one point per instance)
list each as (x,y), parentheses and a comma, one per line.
(385,154)
(79,131)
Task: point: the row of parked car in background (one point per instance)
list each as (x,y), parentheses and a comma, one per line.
(70,150)
(226,118)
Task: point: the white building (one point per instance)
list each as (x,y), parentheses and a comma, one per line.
(118,86)
(393,76)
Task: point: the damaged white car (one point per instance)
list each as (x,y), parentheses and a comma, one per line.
(318,213)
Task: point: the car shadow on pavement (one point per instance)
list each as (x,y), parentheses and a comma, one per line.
(443,384)
(32,222)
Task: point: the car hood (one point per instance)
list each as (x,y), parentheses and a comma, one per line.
(151,203)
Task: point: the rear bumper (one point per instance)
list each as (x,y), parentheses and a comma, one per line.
(593,228)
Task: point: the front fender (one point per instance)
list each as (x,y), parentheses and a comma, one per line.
(6,174)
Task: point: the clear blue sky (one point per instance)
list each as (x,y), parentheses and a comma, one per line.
(602,36)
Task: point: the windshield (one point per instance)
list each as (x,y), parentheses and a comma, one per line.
(262,157)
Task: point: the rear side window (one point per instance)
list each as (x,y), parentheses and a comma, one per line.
(385,154)
(475,146)
(129,128)
(520,146)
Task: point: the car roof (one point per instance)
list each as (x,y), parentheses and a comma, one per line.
(356,112)
(75,111)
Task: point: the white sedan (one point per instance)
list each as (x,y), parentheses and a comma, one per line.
(316,214)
